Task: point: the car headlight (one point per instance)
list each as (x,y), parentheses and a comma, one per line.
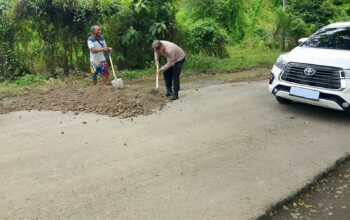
(281,63)
(345,74)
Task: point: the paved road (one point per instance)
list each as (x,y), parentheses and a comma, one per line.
(223,152)
(327,199)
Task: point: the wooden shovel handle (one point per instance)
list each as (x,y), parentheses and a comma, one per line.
(110,60)
(157,77)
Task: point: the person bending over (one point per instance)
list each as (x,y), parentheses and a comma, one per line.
(172,69)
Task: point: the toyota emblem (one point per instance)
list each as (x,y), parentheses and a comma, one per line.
(309,71)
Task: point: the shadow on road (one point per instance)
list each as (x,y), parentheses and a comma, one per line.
(315,112)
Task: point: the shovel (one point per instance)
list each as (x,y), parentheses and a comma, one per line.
(117,82)
(157,74)
(157,77)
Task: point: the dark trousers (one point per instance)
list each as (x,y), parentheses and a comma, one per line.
(172,76)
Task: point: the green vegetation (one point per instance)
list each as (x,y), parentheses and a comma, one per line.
(239,57)
(37,83)
(42,39)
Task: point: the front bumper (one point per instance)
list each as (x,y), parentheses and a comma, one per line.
(334,99)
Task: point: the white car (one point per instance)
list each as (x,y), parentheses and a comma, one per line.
(317,72)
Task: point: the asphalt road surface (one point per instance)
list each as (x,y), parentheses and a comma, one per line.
(326,199)
(222,152)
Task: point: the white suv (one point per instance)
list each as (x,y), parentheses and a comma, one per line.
(317,72)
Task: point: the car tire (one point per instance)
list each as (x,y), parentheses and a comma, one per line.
(283,100)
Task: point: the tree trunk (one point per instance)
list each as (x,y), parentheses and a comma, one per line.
(94,13)
(284,5)
(283,42)
(283,35)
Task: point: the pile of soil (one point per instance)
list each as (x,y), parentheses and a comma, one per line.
(124,103)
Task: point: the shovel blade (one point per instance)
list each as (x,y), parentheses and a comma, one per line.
(118,83)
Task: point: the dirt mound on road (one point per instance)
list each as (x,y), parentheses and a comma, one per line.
(128,102)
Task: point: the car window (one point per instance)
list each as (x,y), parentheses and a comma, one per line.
(335,38)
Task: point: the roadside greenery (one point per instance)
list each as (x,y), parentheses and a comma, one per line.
(42,39)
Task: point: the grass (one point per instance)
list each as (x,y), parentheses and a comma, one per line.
(11,88)
(240,57)
(33,83)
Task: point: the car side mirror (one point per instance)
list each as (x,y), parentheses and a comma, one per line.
(302,40)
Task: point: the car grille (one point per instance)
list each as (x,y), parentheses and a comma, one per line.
(325,76)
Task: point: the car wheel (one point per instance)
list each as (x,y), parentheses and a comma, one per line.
(283,100)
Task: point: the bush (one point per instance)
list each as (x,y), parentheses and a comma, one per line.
(135,26)
(228,14)
(28,79)
(316,13)
(289,26)
(299,29)
(206,36)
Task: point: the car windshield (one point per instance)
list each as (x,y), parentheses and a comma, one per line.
(333,38)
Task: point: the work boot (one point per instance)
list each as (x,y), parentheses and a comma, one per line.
(168,93)
(175,96)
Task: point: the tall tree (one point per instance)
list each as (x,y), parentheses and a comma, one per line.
(62,27)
